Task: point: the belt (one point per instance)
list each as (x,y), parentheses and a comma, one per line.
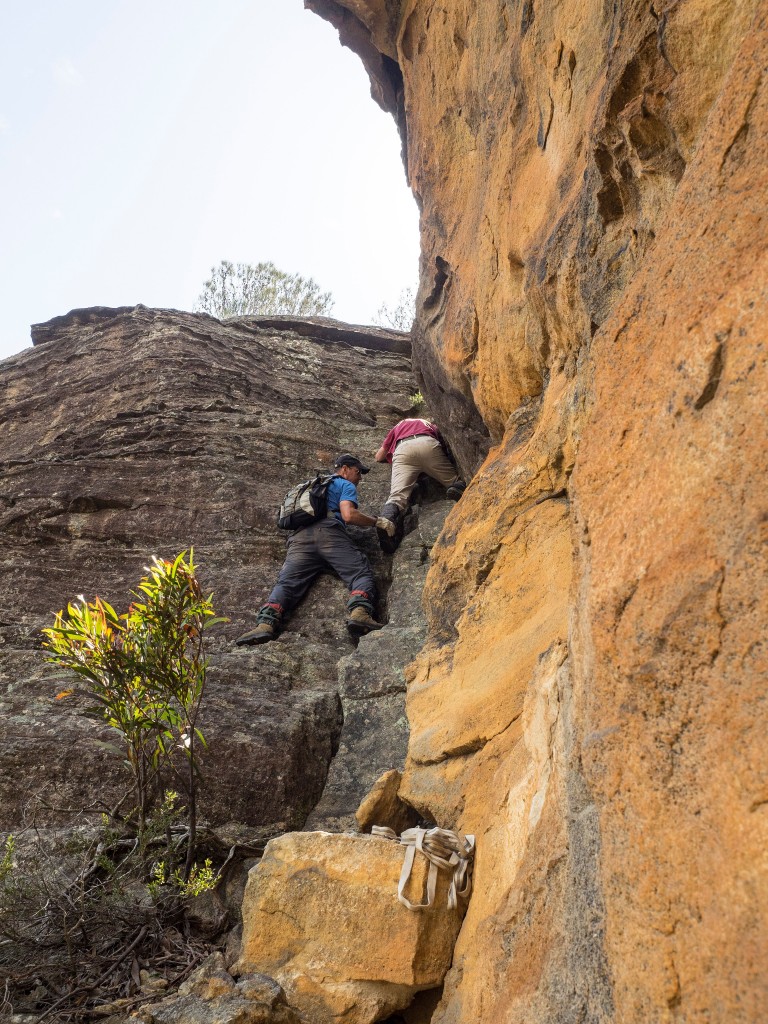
(411,437)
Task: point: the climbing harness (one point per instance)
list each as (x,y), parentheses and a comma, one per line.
(444,849)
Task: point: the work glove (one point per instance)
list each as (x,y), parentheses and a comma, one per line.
(386,525)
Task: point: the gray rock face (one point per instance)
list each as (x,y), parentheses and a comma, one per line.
(372,684)
(133,432)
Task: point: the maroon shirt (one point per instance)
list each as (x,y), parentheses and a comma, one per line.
(408,428)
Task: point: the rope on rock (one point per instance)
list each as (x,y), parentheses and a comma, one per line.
(444,849)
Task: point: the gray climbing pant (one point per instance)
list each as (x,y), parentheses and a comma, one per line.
(315,549)
(414,455)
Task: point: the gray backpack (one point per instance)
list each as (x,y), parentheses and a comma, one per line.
(305,503)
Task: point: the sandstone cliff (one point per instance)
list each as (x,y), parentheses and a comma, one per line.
(589,701)
(591,334)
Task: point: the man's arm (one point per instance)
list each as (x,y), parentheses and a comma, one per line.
(354,516)
(382,455)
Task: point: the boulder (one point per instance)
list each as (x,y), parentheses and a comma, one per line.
(383,806)
(322,917)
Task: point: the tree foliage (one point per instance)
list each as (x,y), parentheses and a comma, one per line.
(401,315)
(244,290)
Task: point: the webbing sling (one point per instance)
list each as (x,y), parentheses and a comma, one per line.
(443,848)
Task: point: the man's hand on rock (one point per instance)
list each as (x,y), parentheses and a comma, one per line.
(386,525)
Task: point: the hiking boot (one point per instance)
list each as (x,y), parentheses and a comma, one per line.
(267,627)
(263,632)
(360,621)
(456,490)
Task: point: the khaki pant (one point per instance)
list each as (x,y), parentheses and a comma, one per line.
(414,455)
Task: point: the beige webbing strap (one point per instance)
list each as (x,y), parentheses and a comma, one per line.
(443,848)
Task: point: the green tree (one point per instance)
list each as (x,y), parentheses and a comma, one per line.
(245,290)
(399,317)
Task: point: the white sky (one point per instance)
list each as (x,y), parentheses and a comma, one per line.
(143,141)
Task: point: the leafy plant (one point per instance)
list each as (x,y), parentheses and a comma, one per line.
(200,880)
(6,861)
(146,670)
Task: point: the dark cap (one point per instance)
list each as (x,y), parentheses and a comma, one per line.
(345,459)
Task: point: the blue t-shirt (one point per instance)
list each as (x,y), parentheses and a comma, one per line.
(340,490)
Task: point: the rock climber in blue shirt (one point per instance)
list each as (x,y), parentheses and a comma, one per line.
(316,548)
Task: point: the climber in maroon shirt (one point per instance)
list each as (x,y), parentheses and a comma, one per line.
(413,446)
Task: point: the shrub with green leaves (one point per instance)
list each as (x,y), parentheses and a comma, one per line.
(69,913)
(146,670)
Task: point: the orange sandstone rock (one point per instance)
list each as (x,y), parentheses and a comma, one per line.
(382,806)
(591,335)
(673,602)
(321,916)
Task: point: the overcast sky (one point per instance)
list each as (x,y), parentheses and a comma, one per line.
(143,141)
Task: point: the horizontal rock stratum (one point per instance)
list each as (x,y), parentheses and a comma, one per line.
(135,432)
